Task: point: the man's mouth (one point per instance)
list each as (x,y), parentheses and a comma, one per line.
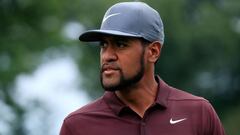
(109,69)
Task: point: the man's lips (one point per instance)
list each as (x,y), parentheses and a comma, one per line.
(109,72)
(109,68)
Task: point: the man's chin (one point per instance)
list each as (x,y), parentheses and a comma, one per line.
(110,83)
(108,87)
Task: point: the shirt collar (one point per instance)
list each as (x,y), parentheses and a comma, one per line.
(162,93)
(117,105)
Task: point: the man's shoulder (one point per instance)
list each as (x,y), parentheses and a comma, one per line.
(173,94)
(181,95)
(182,100)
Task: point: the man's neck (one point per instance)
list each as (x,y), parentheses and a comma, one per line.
(140,97)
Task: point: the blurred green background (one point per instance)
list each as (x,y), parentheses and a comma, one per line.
(200,54)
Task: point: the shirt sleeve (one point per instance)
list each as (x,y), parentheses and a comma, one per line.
(212,124)
(64,129)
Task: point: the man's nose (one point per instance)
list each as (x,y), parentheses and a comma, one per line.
(108,54)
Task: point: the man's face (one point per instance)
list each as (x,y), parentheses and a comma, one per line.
(122,62)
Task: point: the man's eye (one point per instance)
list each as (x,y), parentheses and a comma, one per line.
(103,44)
(121,44)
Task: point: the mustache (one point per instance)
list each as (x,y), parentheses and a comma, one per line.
(111,65)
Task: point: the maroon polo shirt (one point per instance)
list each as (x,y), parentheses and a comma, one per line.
(174,112)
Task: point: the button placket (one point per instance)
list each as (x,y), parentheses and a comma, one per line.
(142,127)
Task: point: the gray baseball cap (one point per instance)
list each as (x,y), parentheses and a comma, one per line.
(131,19)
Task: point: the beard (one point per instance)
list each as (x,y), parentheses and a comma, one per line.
(126,82)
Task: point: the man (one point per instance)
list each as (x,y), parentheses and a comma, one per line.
(137,102)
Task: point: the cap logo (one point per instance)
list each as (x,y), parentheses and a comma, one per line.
(111,15)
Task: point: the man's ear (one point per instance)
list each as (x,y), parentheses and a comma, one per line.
(154,51)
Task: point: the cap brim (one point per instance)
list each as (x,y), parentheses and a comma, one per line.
(96,35)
